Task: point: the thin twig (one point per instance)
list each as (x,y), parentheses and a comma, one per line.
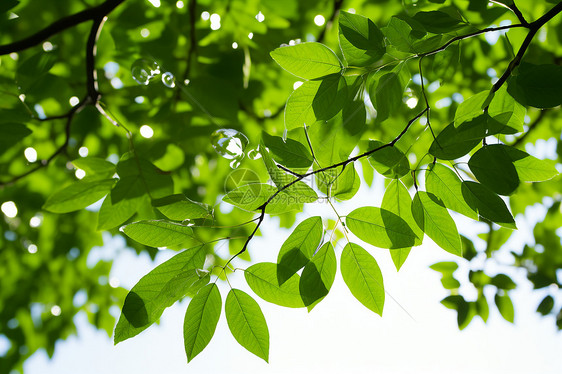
(58,26)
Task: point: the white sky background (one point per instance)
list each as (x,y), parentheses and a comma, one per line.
(340,335)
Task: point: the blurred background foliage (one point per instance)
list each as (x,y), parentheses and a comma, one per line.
(218,52)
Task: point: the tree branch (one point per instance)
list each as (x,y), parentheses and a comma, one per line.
(62,24)
(343,164)
(533,29)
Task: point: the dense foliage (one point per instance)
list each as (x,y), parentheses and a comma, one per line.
(186,125)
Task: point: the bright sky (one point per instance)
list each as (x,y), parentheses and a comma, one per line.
(340,335)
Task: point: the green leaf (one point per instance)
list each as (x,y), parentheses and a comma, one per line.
(433,218)
(247,323)
(454,142)
(505,306)
(503,282)
(386,89)
(121,204)
(263,280)
(318,276)
(95,167)
(307,60)
(361,41)
(488,204)
(317,100)
(154,181)
(179,208)
(472,107)
(504,109)
(11,134)
(492,166)
(78,196)
(201,320)
(299,248)
(397,200)
(160,288)
(289,152)
(278,176)
(158,233)
(529,168)
(537,85)
(400,35)
(446,185)
(388,161)
(437,22)
(381,228)
(363,277)
(546,305)
(31,70)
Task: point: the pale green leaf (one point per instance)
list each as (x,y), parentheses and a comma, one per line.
(179,208)
(263,280)
(78,196)
(363,277)
(434,219)
(158,233)
(361,41)
(201,320)
(247,323)
(307,60)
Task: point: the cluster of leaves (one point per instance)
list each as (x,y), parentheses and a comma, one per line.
(373,100)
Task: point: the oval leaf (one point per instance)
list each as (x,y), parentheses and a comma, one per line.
(263,280)
(318,276)
(247,323)
(201,320)
(157,233)
(434,219)
(381,228)
(363,277)
(493,168)
(78,196)
(307,60)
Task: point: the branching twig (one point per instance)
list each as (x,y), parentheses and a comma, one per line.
(533,29)
(350,160)
(62,24)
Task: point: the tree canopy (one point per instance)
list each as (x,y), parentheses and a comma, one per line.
(184,125)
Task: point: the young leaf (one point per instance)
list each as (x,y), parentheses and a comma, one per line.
(386,89)
(363,277)
(446,185)
(318,276)
(317,100)
(488,204)
(400,35)
(289,153)
(156,182)
(381,228)
(247,323)
(434,219)
(397,200)
(157,290)
(299,248)
(307,60)
(201,320)
(493,168)
(78,196)
(263,280)
(250,196)
(158,233)
(361,41)
(179,208)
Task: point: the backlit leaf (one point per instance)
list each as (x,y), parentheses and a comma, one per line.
(201,320)
(78,196)
(307,60)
